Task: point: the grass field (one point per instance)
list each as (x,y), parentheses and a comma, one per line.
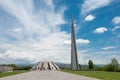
(97,74)
(11,73)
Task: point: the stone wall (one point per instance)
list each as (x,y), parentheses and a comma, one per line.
(6,69)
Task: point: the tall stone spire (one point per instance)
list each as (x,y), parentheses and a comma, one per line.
(74,59)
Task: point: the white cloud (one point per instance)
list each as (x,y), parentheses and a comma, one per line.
(33,22)
(40,37)
(100,30)
(78,41)
(17,30)
(75,25)
(13,54)
(13,57)
(82,41)
(115,28)
(90,5)
(116,20)
(108,47)
(89,18)
(67,42)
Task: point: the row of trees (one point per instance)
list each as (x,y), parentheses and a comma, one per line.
(112,66)
(16,67)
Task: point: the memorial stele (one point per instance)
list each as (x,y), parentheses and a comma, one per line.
(74,58)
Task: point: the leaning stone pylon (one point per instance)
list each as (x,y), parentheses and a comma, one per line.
(74,59)
(45,65)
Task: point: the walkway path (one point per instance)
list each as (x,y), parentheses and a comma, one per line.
(46,75)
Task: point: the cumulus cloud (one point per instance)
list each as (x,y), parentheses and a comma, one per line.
(40,33)
(68,42)
(108,47)
(13,57)
(90,5)
(46,49)
(100,30)
(82,41)
(89,18)
(78,41)
(12,54)
(116,20)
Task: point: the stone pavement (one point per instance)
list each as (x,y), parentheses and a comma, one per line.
(47,75)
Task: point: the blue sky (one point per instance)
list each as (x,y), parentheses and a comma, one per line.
(40,30)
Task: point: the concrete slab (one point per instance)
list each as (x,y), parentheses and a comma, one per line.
(47,75)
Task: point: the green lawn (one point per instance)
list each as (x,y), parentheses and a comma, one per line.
(3,74)
(97,74)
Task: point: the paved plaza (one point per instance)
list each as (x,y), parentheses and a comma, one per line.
(47,75)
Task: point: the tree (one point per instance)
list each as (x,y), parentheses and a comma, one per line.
(14,66)
(90,64)
(115,64)
(109,67)
(80,66)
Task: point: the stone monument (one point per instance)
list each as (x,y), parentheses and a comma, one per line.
(45,65)
(74,59)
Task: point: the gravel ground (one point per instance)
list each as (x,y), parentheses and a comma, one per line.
(47,75)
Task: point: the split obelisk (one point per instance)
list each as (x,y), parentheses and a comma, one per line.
(74,59)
